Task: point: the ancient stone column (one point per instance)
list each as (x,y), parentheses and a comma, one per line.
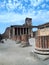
(38,32)
(20,31)
(26,30)
(24,40)
(23,30)
(13,31)
(31,34)
(17,31)
(18,35)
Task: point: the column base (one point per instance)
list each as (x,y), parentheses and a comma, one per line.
(24,44)
(41,53)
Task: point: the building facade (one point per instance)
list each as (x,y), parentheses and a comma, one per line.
(42,39)
(21,33)
(18,30)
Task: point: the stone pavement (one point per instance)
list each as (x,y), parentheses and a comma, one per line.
(12,54)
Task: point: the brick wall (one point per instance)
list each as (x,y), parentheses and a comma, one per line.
(43,32)
(6,33)
(42,42)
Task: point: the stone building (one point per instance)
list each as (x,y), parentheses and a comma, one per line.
(43,30)
(21,33)
(42,39)
(6,33)
(18,30)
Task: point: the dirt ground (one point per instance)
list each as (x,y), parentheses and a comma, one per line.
(13,54)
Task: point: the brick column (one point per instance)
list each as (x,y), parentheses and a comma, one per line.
(23,30)
(38,32)
(20,31)
(13,32)
(26,30)
(29,32)
(17,31)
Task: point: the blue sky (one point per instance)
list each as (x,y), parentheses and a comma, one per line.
(13,12)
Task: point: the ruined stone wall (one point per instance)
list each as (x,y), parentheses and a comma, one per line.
(28,21)
(42,42)
(6,33)
(42,39)
(43,32)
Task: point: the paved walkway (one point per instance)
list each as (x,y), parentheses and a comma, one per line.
(12,54)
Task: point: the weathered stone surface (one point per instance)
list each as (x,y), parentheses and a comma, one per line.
(24,40)
(6,33)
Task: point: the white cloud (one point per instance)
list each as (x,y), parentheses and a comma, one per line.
(36,2)
(43,5)
(11,6)
(9,1)
(37,16)
(26,0)
(19,5)
(47,6)
(11,17)
(40,17)
(2,5)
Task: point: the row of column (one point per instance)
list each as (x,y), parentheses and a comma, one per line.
(21,31)
(42,42)
(11,32)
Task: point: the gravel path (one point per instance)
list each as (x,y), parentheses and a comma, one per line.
(12,54)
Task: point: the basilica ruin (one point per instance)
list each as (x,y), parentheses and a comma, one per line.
(22,33)
(42,39)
